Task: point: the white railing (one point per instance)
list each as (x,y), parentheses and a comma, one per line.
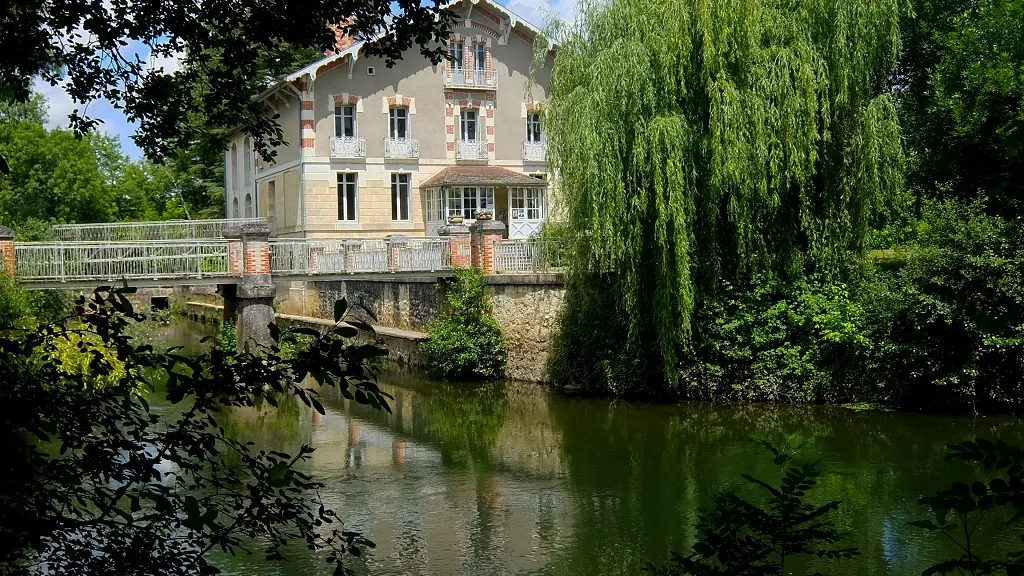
(471,150)
(309,257)
(461,78)
(113,261)
(425,255)
(144,231)
(535,151)
(348,147)
(532,255)
(401,148)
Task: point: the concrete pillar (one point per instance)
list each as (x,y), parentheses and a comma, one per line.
(249,253)
(395,243)
(228,292)
(459,246)
(484,233)
(351,247)
(7,251)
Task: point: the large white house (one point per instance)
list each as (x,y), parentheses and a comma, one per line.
(373,151)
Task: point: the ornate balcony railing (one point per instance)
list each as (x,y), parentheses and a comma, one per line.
(348,147)
(401,148)
(535,151)
(471,150)
(463,78)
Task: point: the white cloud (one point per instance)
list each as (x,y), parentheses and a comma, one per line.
(537,12)
(58,102)
(169,64)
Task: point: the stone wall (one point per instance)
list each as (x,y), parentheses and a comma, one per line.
(527,313)
(525,305)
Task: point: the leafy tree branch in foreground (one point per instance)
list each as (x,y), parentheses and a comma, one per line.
(97,482)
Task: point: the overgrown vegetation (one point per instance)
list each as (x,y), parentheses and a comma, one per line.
(722,220)
(464,341)
(97,483)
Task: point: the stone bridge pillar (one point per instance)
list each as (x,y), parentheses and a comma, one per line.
(460,250)
(484,233)
(7,251)
(252,303)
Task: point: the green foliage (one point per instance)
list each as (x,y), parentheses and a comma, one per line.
(15,309)
(736,537)
(769,340)
(227,338)
(948,324)
(698,142)
(222,49)
(960,510)
(56,177)
(464,341)
(131,515)
(961,101)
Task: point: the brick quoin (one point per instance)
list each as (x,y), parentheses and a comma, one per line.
(307,104)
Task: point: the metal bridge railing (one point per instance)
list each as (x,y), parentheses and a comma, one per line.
(530,255)
(301,257)
(147,231)
(49,262)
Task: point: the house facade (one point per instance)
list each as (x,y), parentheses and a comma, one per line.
(373,151)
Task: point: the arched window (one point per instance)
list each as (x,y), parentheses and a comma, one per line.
(234,171)
(248,163)
(248,205)
(234,207)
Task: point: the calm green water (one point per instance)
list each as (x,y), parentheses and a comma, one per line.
(509,479)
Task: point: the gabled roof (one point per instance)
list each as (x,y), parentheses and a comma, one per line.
(353,51)
(480,176)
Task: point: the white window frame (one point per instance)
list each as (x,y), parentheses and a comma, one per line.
(234,169)
(463,120)
(527,203)
(397,196)
(479,56)
(434,206)
(393,113)
(347,213)
(339,121)
(466,200)
(457,50)
(533,128)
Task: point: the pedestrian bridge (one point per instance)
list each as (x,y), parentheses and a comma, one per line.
(208,252)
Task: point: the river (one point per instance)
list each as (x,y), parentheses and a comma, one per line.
(481,479)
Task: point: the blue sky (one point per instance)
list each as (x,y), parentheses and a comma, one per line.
(116,124)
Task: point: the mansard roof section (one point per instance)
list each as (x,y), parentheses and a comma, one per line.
(507,22)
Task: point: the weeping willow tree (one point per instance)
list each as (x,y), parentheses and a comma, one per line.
(698,141)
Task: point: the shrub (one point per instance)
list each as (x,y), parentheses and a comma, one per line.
(464,341)
(227,338)
(950,323)
(770,340)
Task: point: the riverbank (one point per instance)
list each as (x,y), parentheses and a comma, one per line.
(506,478)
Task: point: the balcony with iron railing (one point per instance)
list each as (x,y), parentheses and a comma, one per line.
(348,147)
(465,78)
(535,151)
(401,148)
(471,150)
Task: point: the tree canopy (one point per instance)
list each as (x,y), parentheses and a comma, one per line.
(223,46)
(696,142)
(961,101)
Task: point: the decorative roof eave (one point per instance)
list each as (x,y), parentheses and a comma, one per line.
(480,176)
(316,67)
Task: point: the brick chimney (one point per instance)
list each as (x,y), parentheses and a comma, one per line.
(342,41)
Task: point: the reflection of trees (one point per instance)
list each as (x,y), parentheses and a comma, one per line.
(466,419)
(637,474)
